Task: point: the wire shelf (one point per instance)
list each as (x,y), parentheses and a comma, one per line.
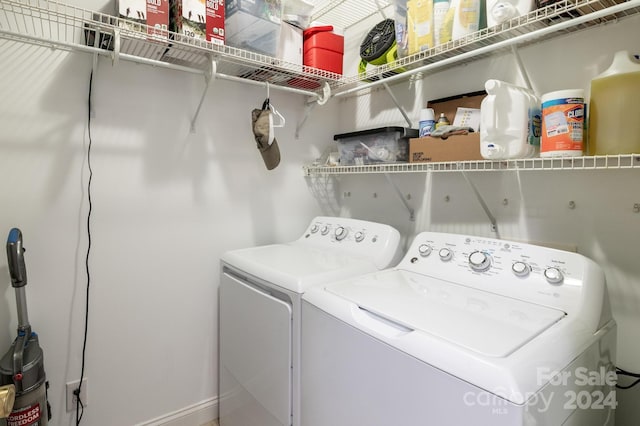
(551,21)
(57,25)
(625,161)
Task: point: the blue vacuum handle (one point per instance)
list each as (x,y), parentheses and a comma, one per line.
(15,258)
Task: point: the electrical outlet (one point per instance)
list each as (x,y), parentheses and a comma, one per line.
(71,398)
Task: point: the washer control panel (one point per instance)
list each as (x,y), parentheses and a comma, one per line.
(524,271)
(357,237)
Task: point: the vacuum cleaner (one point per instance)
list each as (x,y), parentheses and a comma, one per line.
(22,367)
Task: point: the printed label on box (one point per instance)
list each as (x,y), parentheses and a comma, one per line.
(203,19)
(158,17)
(215,21)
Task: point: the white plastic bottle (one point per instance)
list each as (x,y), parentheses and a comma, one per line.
(440,8)
(510,120)
(499,11)
(466,19)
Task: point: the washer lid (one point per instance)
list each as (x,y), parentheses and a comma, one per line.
(479,321)
(296,267)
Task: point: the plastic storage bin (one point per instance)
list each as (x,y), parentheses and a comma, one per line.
(323,49)
(374,146)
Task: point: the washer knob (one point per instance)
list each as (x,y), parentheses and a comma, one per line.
(359,236)
(521,269)
(341,232)
(314,228)
(325,230)
(424,250)
(479,261)
(553,275)
(445,254)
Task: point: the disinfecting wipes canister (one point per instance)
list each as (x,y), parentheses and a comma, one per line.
(563,120)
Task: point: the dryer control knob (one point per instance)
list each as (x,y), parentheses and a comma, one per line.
(325,230)
(314,228)
(553,275)
(445,254)
(359,236)
(479,261)
(521,269)
(341,232)
(424,250)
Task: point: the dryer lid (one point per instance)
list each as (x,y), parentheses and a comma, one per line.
(296,267)
(483,322)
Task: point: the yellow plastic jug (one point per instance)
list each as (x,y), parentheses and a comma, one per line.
(614,108)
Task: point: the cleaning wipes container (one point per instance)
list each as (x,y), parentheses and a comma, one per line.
(563,114)
(509,122)
(614,108)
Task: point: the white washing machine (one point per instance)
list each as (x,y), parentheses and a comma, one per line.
(260,298)
(464,331)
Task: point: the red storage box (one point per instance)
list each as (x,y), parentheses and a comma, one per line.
(323,49)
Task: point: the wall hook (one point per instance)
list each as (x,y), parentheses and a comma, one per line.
(326,94)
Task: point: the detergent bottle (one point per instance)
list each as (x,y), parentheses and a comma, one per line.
(510,119)
(614,108)
(499,11)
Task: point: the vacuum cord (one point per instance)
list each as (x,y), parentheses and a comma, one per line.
(622,372)
(77,392)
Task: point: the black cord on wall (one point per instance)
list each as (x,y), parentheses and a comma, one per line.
(622,372)
(77,392)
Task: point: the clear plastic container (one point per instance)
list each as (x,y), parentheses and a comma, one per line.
(509,122)
(382,145)
(614,108)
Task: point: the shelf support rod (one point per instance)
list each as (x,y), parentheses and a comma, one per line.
(310,105)
(521,68)
(209,75)
(412,213)
(395,101)
(492,219)
(381,9)
(115,56)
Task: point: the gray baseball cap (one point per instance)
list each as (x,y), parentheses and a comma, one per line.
(263,131)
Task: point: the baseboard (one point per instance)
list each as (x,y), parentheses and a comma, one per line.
(193,415)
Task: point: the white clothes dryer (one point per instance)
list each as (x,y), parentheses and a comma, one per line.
(260,298)
(464,331)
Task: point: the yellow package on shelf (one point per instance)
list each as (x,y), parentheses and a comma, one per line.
(419,25)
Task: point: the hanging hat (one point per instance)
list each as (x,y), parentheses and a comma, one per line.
(262,126)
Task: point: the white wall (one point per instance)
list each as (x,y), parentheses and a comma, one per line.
(166,204)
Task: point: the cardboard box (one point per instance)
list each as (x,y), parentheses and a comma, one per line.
(253,25)
(154,14)
(454,148)
(290,44)
(202,19)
